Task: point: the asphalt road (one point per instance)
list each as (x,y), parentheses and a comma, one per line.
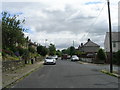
(67,74)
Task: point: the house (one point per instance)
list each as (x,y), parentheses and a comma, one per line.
(33,45)
(115,42)
(89,47)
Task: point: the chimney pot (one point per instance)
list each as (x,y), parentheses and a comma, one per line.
(81,44)
(88,40)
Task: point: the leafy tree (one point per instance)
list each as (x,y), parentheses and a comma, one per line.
(12,31)
(31,49)
(77,52)
(72,50)
(42,50)
(64,51)
(101,55)
(58,52)
(52,49)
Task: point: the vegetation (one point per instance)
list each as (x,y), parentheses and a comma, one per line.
(101,55)
(42,50)
(12,31)
(31,49)
(59,53)
(52,49)
(71,51)
(14,43)
(116,58)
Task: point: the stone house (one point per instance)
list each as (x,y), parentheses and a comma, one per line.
(89,47)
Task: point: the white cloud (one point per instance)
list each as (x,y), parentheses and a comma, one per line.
(62,21)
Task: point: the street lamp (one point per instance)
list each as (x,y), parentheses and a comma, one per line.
(45,42)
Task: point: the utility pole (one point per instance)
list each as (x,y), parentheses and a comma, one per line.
(110,37)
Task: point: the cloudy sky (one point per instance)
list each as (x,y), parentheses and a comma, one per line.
(63,21)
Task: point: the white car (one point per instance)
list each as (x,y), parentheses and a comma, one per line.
(50,60)
(55,56)
(74,58)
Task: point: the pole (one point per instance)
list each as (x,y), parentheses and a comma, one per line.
(110,37)
(45,42)
(73,43)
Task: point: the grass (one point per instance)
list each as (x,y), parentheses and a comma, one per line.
(111,74)
(11,58)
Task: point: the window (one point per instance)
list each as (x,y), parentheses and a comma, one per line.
(114,44)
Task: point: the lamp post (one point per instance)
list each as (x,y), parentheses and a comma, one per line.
(110,37)
(45,42)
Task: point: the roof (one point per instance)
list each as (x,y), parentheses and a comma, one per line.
(31,43)
(90,43)
(115,36)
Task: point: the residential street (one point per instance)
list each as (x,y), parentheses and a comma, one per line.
(67,74)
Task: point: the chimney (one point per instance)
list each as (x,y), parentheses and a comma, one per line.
(81,44)
(88,40)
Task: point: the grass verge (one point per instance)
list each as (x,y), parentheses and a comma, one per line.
(111,74)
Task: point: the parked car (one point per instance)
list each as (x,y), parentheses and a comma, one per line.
(50,60)
(64,57)
(90,55)
(55,56)
(68,57)
(74,58)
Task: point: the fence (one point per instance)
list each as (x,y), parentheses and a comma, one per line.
(87,59)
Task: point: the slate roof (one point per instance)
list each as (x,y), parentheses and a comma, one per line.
(90,43)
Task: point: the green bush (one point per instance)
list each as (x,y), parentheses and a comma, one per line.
(31,49)
(21,50)
(116,58)
(101,55)
(7,51)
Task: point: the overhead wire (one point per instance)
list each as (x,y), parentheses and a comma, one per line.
(92,24)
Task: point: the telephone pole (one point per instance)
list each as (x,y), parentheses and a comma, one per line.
(110,37)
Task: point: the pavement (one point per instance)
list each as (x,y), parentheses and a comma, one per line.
(67,74)
(11,77)
(106,67)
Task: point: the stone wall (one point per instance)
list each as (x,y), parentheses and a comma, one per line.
(12,65)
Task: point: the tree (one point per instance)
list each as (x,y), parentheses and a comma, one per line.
(31,49)
(58,52)
(42,50)
(64,51)
(12,31)
(52,49)
(101,55)
(72,50)
(118,57)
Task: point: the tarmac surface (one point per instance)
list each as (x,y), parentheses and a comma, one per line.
(9,78)
(67,74)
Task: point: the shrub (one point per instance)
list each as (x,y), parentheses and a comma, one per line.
(101,55)
(118,57)
(31,49)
